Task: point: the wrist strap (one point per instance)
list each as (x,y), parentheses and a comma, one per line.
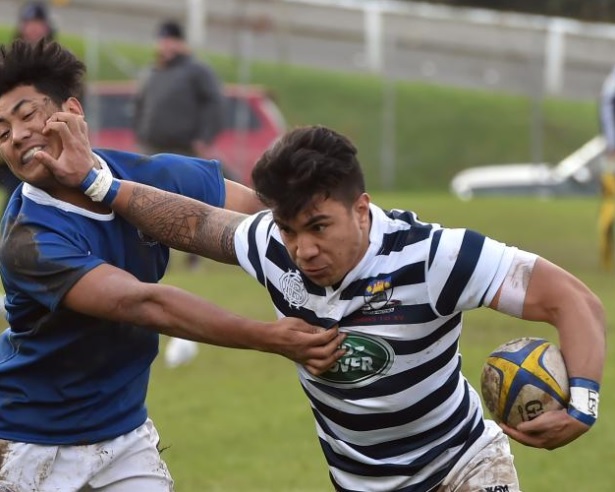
(100,186)
(584,399)
(88,180)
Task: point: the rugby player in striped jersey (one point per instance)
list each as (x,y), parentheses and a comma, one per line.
(395,413)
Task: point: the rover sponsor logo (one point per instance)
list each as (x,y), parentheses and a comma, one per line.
(367,359)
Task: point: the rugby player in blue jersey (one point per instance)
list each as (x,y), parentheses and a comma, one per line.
(84,304)
(395,413)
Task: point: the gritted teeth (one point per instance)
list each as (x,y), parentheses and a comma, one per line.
(27,157)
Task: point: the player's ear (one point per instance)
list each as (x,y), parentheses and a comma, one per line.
(361,206)
(72,105)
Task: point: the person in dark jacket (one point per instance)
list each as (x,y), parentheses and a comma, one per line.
(180,106)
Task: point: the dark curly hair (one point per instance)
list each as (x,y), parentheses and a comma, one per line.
(305,164)
(50,68)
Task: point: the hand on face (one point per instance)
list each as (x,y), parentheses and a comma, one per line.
(76,158)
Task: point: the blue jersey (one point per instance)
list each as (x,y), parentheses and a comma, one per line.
(67,378)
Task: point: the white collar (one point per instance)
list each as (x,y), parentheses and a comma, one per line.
(43,198)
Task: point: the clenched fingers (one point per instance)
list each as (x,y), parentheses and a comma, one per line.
(321,359)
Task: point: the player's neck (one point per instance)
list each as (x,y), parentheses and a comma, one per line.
(77,198)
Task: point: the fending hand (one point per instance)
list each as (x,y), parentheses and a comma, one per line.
(76,157)
(316,348)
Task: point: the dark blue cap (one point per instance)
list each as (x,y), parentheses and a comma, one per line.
(34,11)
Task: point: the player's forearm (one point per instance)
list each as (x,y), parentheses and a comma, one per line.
(179,222)
(582,332)
(177,313)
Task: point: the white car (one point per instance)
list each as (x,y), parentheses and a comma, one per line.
(577,174)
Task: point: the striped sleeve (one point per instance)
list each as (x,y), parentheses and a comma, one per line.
(463,265)
(250,239)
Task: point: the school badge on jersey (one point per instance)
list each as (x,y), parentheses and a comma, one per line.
(378,296)
(293,289)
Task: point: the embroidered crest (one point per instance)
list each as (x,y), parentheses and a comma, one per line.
(378,297)
(293,289)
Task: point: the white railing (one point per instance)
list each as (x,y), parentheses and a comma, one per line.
(563,48)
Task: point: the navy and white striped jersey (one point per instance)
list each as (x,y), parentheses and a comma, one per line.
(395,413)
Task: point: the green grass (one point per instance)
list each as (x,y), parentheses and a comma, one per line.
(237,420)
(437,130)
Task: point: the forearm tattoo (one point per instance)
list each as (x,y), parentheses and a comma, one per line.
(183,223)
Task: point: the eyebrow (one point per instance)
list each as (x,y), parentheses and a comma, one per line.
(313,220)
(16,108)
(316,218)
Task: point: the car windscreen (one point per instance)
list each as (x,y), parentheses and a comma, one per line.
(116,111)
(239,114)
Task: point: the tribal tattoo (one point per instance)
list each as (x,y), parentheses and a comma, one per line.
(183,223)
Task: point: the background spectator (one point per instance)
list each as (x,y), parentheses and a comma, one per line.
(606,218)
(35,23)
(180,107)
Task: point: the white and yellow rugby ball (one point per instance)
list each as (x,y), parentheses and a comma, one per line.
(523,379)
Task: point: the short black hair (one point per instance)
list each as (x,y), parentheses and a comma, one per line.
(305,164)
(52,69)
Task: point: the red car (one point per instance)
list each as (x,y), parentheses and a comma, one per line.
(253,123)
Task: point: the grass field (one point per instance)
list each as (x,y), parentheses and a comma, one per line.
(238,421)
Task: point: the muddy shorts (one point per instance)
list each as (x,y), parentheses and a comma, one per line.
(490,470)
(127,463)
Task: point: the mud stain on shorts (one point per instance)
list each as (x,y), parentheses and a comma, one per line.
(4,451)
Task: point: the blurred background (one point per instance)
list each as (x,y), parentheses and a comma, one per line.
(426,88)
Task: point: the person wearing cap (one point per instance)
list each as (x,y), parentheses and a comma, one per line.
(34,23)
(180,106)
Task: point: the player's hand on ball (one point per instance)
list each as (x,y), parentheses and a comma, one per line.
(550,430)
(315,348)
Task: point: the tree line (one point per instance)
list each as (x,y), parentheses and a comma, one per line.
(586,10)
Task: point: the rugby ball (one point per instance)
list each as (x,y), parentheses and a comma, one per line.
(523,379)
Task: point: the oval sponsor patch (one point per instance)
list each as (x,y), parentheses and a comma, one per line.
(367,358)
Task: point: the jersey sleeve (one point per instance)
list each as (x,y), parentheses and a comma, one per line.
(44,263)
(251,238)
(464,269)
(196,178)
(193,177)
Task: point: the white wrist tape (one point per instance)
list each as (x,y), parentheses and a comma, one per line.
(514,286)
(584,400)
(101,185)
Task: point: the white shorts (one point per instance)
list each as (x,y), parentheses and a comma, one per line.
(129,463)
(490,469)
